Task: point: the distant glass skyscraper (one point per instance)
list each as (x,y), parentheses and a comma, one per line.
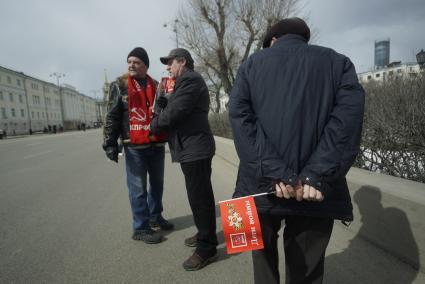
(382,53)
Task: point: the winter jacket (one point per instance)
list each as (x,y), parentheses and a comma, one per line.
(185,118)
(296,111)
(117,118)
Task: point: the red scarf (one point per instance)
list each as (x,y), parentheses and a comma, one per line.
(140,103)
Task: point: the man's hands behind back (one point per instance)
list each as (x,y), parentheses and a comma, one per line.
(299,192)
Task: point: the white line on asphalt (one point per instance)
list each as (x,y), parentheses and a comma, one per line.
(33,144)
(13,140)
(36,155)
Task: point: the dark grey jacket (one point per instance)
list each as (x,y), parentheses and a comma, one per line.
(185,119)
(296,112)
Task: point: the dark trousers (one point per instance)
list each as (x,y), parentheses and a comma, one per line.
(304,239)
(197,176)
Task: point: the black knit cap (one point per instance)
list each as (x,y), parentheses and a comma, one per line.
(140,53)
(287,26)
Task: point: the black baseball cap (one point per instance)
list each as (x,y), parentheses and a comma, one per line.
(177,52)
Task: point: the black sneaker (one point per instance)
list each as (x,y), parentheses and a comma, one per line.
(148,236)
(196,262)
(192,241)
(161,224)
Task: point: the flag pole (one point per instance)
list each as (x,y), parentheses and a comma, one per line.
(253,195)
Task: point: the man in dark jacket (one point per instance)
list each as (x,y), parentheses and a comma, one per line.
(131,99)
(191,142)
(296,112)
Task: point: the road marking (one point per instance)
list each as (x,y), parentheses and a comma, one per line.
(33,144)
(36,155)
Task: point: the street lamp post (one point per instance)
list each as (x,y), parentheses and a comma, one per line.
(58,75)
(173,25)
(98,106)
(95,92)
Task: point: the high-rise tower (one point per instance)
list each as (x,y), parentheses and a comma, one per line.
(382,53)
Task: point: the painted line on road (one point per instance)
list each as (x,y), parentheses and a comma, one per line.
(36,155)
(34,144)
(226,160)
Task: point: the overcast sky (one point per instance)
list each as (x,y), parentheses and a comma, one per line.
(83,38)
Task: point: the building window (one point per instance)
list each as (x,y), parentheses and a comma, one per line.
(11,97)
(32,114)
(399,71)
(42,114)
(34,86)
(369,77)
(377,75)
(9,80)
(1,95)
(38,115)
(36,100)
(20,99)
(22,113)
(18,82)
(3,113)
(390,73)
(13,112)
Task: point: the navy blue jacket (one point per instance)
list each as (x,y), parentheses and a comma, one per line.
(296,111)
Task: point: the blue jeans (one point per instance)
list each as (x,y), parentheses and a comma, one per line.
(146,204)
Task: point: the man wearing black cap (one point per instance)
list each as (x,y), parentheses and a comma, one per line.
(131,99)
(296,112)
(185,118)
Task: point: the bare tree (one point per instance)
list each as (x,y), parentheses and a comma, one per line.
(394,128)
(223,33)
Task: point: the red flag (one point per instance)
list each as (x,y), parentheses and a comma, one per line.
(241,227)
(167,84)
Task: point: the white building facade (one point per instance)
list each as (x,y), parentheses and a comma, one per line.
(78,110)
(28,104)
(14,117)
(393,70)
(44,105)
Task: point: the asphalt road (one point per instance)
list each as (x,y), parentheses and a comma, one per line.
(65,218)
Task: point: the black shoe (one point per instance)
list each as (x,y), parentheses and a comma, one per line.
(192,241)
(196,262)
(161,224)
(148,236)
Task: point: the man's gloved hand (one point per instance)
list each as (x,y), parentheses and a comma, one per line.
(162,102)
(112,153)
